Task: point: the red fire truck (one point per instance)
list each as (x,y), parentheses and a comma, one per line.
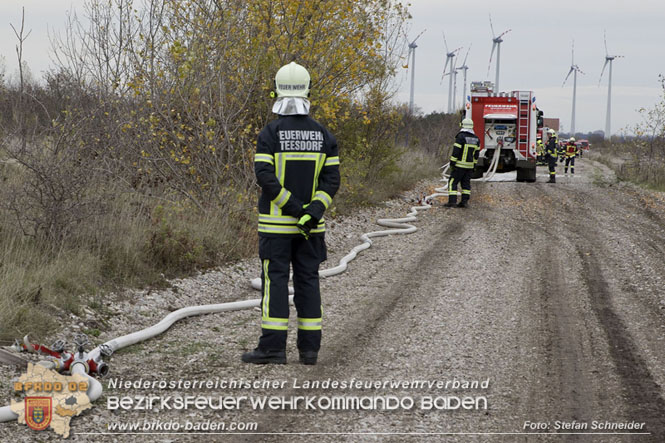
(505,121)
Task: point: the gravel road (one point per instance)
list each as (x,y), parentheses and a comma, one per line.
(541,307)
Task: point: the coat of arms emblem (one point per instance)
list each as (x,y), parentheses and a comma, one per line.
(38,412)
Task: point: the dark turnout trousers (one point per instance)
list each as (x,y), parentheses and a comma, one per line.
(276,254)
(459,176)
(551,164)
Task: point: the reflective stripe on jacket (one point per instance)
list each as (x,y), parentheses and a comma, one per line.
(552,147)
(571,150)
(296,164)
(465,149)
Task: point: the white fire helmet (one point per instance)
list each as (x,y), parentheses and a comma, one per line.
(292,80)
(467,123)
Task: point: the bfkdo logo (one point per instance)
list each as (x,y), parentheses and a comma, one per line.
(50,399)
(38,412)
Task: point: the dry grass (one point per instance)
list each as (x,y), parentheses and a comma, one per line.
(134,245)
(141,241)
(410,167)
(629,167)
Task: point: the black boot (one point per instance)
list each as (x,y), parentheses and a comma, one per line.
(308,357)
(260,357)
(462,204)
(452,199)
(552,179)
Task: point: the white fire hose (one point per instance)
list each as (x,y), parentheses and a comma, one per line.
(79,366)
(491,170)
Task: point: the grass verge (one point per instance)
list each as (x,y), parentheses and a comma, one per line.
(140,242)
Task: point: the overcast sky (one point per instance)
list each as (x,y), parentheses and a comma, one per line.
(535,55)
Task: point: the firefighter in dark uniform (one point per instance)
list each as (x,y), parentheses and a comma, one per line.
(462,161)
(297,167)
(551,153)
(570,153)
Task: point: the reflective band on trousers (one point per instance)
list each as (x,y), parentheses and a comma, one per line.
(309,324)
(280,324)
(265,313)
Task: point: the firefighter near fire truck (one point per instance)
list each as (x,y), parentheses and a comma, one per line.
(540,152)
(551,153)
(570,154)
(462,162)
(297,167)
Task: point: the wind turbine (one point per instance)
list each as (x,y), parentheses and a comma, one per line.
(608,59)
(574,69)
(496,43)
(464,68)
(450,55)
(412,53)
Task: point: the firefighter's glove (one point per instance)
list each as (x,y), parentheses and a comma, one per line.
(452,166)
(305,224)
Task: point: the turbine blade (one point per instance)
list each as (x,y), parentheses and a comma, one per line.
(492,27)
(605,40)
(579,70)
(601,72)
(572,58)
(421,33)
(467,54)
(444,40)
(491,55)
(408,57)
(566,79)
(504,33)
(443,74)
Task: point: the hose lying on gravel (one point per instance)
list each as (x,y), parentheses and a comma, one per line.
(396,225)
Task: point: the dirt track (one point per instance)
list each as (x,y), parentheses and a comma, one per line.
(555,293)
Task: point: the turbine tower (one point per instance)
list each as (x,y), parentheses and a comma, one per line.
(464,68)
(454,89)
(412,55)
(608,59)
(450,55)
(496,43)
(574,69)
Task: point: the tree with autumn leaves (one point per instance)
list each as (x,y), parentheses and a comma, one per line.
(191,83)
(132,161)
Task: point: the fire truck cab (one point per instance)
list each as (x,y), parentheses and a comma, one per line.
(505,121)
